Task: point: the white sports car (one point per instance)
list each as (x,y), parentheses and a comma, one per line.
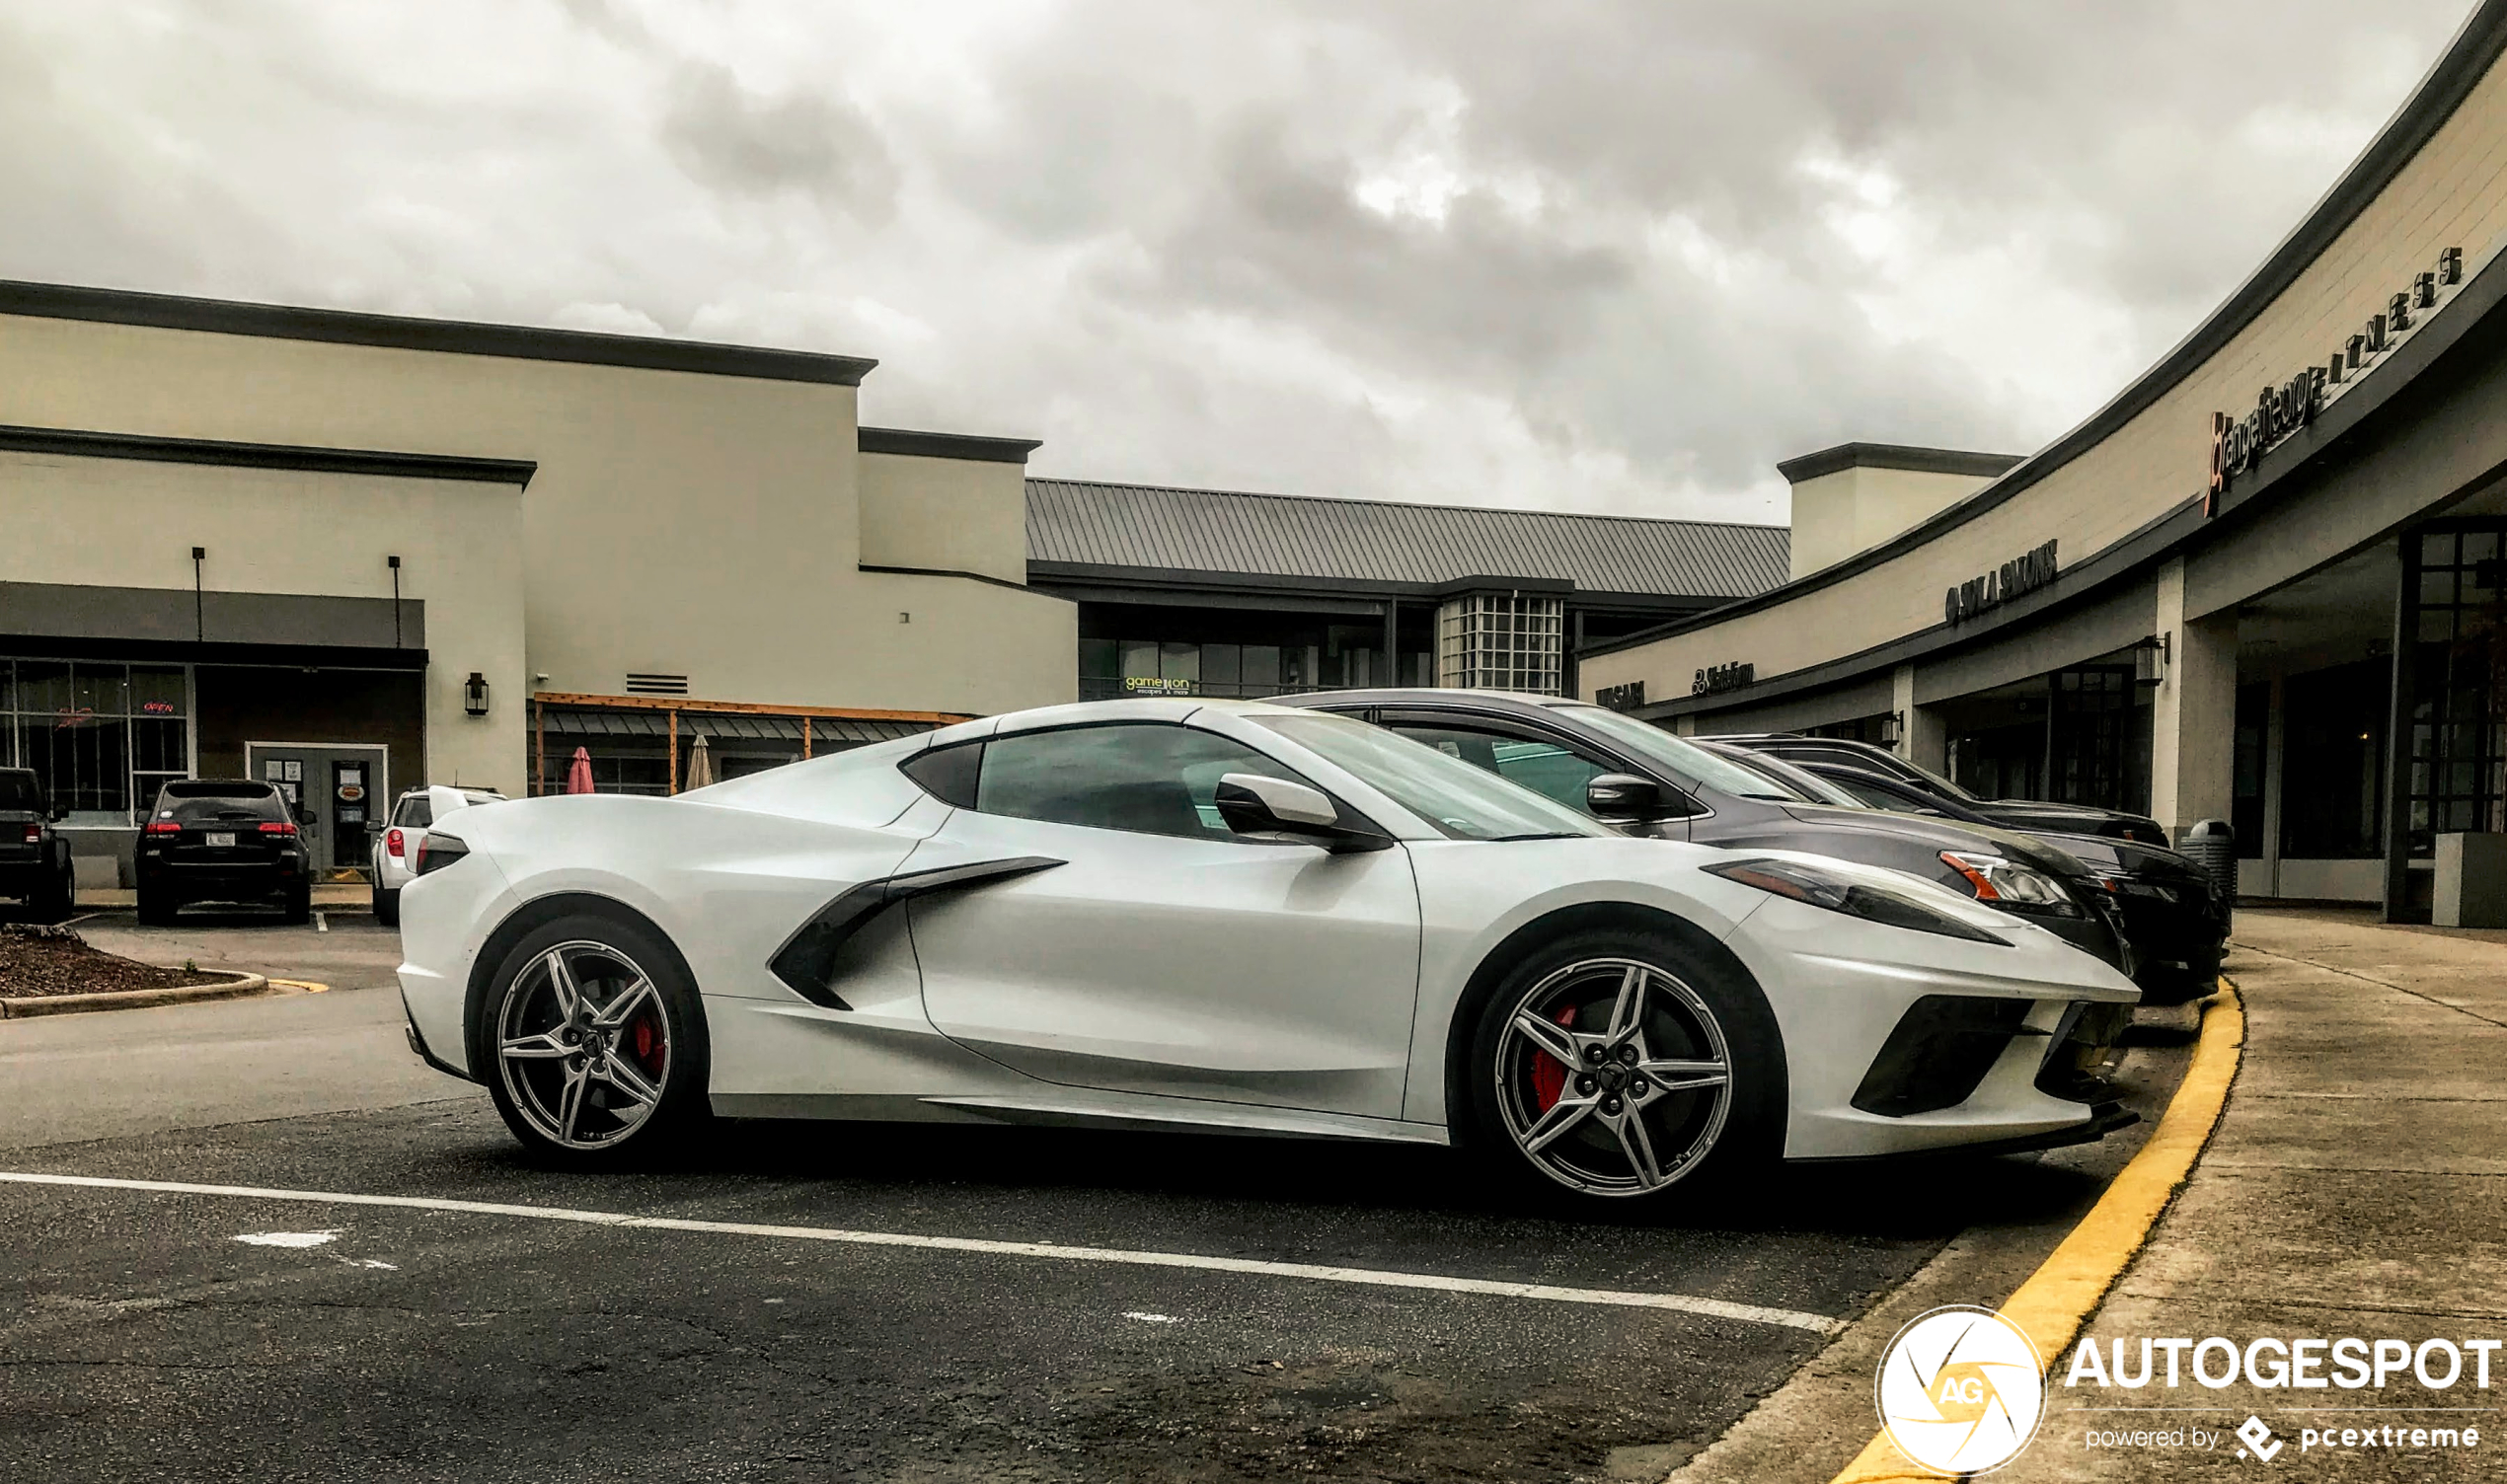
(1223,915)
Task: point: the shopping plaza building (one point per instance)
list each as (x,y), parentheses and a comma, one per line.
(2263,583)
(350,553)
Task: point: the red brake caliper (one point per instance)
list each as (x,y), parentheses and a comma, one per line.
(648,1043)
(1548,1073)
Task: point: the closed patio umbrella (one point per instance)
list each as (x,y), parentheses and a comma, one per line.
(699,766)
(578,773)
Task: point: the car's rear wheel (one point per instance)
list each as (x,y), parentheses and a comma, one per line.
(57,896)
(1620,1063)
(387,905)
(594,1044)
(155,907)
(297,902)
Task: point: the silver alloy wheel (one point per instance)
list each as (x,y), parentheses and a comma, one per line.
(583,1045)
(1614,1076)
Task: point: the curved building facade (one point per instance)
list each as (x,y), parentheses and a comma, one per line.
(2264,584)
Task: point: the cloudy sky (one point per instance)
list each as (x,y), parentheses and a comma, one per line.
(1571,253)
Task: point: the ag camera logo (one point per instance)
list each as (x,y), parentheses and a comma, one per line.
(1961,1390)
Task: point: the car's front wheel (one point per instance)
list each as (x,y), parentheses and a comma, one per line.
(593,1043)
(1621,1063)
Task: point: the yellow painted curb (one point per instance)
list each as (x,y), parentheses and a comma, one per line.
(301,986)
(2051,1306)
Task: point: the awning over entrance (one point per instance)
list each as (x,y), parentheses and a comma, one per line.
(639,743)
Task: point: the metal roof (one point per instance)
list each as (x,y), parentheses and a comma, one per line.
(1158,529)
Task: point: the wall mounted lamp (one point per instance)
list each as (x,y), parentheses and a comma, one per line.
(2150,659)
(474,695)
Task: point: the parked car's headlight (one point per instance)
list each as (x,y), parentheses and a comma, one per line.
(2011,886)
(438,850)
(1812,887)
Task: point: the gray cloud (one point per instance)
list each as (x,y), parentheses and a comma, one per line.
(812,142)
(1591,254)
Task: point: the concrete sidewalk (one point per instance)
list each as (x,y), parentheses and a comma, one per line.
(329,895)
(2356,1186)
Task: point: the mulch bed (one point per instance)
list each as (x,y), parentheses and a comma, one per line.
(45,961)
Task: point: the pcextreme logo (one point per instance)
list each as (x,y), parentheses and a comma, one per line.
(1961,1390)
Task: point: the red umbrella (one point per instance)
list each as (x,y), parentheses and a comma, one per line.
(578,773)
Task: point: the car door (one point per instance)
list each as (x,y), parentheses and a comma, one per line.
(1166,954)
(1537,758)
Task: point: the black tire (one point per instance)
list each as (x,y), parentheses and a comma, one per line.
(660,1044)
(1695,1132)
(298,902)
(156,907)
(387,907)
(58,899)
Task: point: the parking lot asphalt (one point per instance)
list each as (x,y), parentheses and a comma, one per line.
(217,1336)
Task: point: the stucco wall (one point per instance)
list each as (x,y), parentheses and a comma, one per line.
(1837,515)
(686,523)
(2451,194)
(964,515)
(125,523)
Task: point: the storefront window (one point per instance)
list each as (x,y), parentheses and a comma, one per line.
(101,737)
(2459,691)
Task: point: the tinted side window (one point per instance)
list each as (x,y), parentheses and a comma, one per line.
(947,773)
(1146,777)
(417,811)
(1545,767)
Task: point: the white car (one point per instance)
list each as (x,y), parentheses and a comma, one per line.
(1230,916)
(396,845)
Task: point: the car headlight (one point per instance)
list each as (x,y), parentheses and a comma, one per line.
(1809,884)
(2014,887)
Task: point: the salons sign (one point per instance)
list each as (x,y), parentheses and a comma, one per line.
(2014,578)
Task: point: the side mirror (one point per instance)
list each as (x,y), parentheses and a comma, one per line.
(304,816)
(1625,797)
(1257,805)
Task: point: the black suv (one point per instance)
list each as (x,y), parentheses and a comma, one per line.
(216,839)
(35,859)
(2174,912)
(1664,786)
(2036,816)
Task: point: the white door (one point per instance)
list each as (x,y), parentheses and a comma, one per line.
(1166,954)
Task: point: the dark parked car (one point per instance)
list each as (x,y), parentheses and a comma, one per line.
(2174,913)
(218,839)
(35,857)
(1642,780)
(1668,787)
(2036,816)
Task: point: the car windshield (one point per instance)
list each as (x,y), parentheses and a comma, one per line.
(18,791)
(1682,757)
(1466,802)
(1811,786)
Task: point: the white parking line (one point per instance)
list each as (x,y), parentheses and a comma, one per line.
(1717,1308)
